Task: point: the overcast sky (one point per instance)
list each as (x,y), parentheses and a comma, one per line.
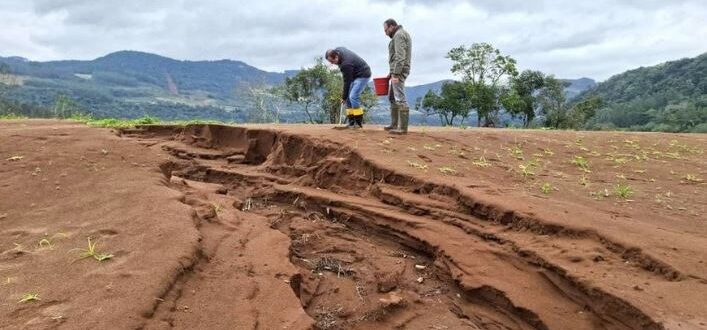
(571,39)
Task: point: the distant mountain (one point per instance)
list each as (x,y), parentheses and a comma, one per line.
(131,68)
(577,86)
(419,91)
(131,83)
(671,96)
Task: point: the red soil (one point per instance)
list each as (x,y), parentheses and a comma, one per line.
(301,227)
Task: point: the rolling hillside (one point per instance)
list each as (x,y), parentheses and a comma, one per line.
(132,84)
(667,97)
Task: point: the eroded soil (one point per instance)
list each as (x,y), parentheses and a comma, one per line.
(301,227)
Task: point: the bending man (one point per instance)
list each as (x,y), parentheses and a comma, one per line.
(356,74)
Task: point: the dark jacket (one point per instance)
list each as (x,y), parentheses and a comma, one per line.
(400,53)
(352,67)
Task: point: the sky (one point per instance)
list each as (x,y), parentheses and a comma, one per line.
(570,39)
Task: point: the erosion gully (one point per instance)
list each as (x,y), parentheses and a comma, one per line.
(373,248)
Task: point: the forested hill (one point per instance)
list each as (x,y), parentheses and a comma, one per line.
(131,84)
(667,97)
(132,68)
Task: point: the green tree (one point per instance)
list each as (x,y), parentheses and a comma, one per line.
(65,107)
(308,89)
(453,101)
(583,111)
(519,100)
(265,103)
(369,101)
(553,106)
(483,67)
(4,68)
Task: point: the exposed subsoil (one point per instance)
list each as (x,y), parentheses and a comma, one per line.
(302,227)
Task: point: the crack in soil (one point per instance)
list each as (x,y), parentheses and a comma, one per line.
(375,248)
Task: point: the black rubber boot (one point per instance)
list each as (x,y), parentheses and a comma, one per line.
(359,120)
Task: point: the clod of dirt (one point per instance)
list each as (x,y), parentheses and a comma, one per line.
(237,203)
(386,282)
(393,299)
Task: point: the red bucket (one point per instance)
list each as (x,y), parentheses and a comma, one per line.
(381,85)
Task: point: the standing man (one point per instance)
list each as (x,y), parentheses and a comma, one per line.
(356,74)
(399,55)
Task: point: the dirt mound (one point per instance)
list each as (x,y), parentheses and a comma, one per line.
(303,227)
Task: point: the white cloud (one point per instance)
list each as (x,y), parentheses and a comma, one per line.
(596,38)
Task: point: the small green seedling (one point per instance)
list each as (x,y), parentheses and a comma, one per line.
(690,178)
(447,170)
(481,162)
(548,152)
(620,161)
(623,191)
(526,170)
(30,296)
(581,162)
(671,155)
(90,252)
(516,152)
(600,194)
(546,188)
(15,158)
(431,147)
(46,243)
(417,165)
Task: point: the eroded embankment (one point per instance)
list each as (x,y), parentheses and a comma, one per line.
(375,248)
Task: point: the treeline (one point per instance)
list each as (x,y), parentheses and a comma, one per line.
(670,97)
(65,107)
(492,89)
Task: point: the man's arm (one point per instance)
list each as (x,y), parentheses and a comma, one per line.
(348,73)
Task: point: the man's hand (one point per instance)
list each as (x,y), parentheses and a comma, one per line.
(343,101)
(394,79)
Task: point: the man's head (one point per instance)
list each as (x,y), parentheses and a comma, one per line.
(333,56)
(389,27)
